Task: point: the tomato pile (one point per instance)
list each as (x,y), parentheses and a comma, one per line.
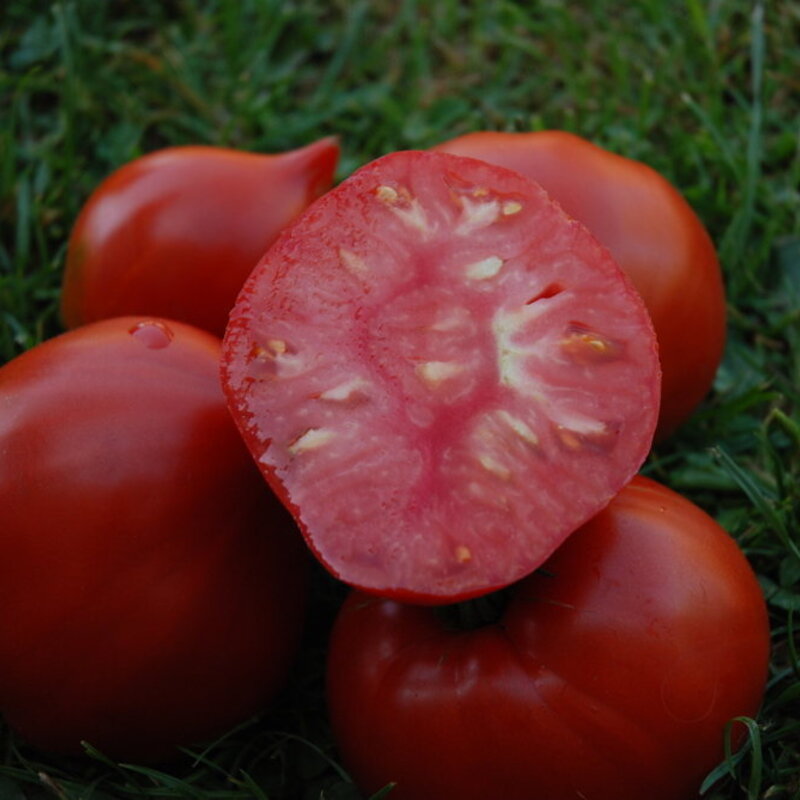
(440,378)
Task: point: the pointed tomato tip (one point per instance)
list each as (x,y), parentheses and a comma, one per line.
(318,160)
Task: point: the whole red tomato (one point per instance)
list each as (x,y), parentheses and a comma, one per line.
(653,234)
(152,589)
(610,676)
(176,232)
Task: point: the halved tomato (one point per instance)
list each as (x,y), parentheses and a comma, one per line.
(441,374)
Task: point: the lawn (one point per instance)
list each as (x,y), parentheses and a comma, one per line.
(706,92)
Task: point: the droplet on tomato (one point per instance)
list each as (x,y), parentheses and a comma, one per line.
(153,334)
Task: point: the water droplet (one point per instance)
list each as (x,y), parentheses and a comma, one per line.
(152,334)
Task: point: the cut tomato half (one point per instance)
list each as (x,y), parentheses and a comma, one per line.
(441,375)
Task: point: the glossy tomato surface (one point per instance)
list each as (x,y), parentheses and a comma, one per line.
(176,232)
(653,234)
(441,374)
(152,589)
(611,674)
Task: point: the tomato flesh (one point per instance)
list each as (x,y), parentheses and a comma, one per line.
(441,374)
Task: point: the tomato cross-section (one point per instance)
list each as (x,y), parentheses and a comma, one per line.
(441,374)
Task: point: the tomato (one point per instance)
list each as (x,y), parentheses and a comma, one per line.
(441,375)
(610,675)
(176,232)
(152,589)
(653,234)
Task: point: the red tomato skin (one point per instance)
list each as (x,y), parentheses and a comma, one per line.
(611,675)
(176,232)
(653,234)
(152,590)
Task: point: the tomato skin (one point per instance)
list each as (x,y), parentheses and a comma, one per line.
(152,590)
(611,674)
(653,234)
(176,232)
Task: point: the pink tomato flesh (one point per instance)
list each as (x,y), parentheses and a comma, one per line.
(441,375)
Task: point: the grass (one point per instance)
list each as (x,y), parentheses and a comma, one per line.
(706,92)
